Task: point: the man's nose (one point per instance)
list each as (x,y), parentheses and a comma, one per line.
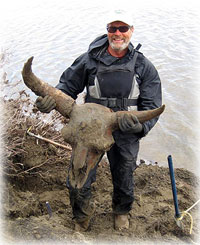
(117,32)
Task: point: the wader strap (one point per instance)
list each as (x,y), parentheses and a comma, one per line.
(138,46)
(114,102)
(136,54)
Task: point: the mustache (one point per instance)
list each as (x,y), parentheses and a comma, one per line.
(117,37)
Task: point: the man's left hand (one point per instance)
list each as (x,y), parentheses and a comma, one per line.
(130,124)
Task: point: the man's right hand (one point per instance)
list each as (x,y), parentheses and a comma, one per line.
(45,104)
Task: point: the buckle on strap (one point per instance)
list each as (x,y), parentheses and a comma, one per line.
(112,102)
(124,102)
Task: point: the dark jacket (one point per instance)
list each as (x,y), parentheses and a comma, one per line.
(83,70)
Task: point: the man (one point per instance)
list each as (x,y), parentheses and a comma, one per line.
(117,76)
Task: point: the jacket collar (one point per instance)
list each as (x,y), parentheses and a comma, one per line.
(98,50)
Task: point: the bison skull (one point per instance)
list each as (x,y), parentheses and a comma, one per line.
(90,127)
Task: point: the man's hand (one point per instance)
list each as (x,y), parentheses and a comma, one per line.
(130,124)
(45,104)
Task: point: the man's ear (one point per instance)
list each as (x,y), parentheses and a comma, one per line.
(132,28)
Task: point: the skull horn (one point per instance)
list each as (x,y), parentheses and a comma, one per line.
(143,116)
(64,103)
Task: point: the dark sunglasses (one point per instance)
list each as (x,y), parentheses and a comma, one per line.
(113,29)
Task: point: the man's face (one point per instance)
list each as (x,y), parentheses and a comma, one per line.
(119,40)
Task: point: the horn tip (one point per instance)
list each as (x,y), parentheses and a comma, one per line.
(31,58)
(163,107)
(27,66)
(29,61)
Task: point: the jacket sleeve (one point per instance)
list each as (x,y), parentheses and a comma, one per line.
(73,80)
(150,92)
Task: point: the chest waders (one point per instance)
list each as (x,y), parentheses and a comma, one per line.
(115,86)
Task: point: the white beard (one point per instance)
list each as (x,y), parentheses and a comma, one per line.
(118,48)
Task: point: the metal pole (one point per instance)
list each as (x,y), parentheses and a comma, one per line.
(173,183)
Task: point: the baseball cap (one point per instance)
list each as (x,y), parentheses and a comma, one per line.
(120,15)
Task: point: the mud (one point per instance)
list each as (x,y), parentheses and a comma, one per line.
(36,173)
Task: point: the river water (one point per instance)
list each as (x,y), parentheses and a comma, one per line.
(55,32)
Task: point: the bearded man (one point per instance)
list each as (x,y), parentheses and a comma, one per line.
(116,75)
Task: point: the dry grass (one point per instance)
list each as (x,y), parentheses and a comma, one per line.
(19,116)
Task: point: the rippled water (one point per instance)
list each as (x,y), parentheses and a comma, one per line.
(56,32)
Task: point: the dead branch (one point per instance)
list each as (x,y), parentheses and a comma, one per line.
(48,140)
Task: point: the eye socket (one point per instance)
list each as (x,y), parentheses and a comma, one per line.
(96,151)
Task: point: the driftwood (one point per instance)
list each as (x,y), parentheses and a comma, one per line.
(90,127)
(37,136)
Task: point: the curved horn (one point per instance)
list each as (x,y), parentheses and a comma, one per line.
(64,103)
(142,116)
